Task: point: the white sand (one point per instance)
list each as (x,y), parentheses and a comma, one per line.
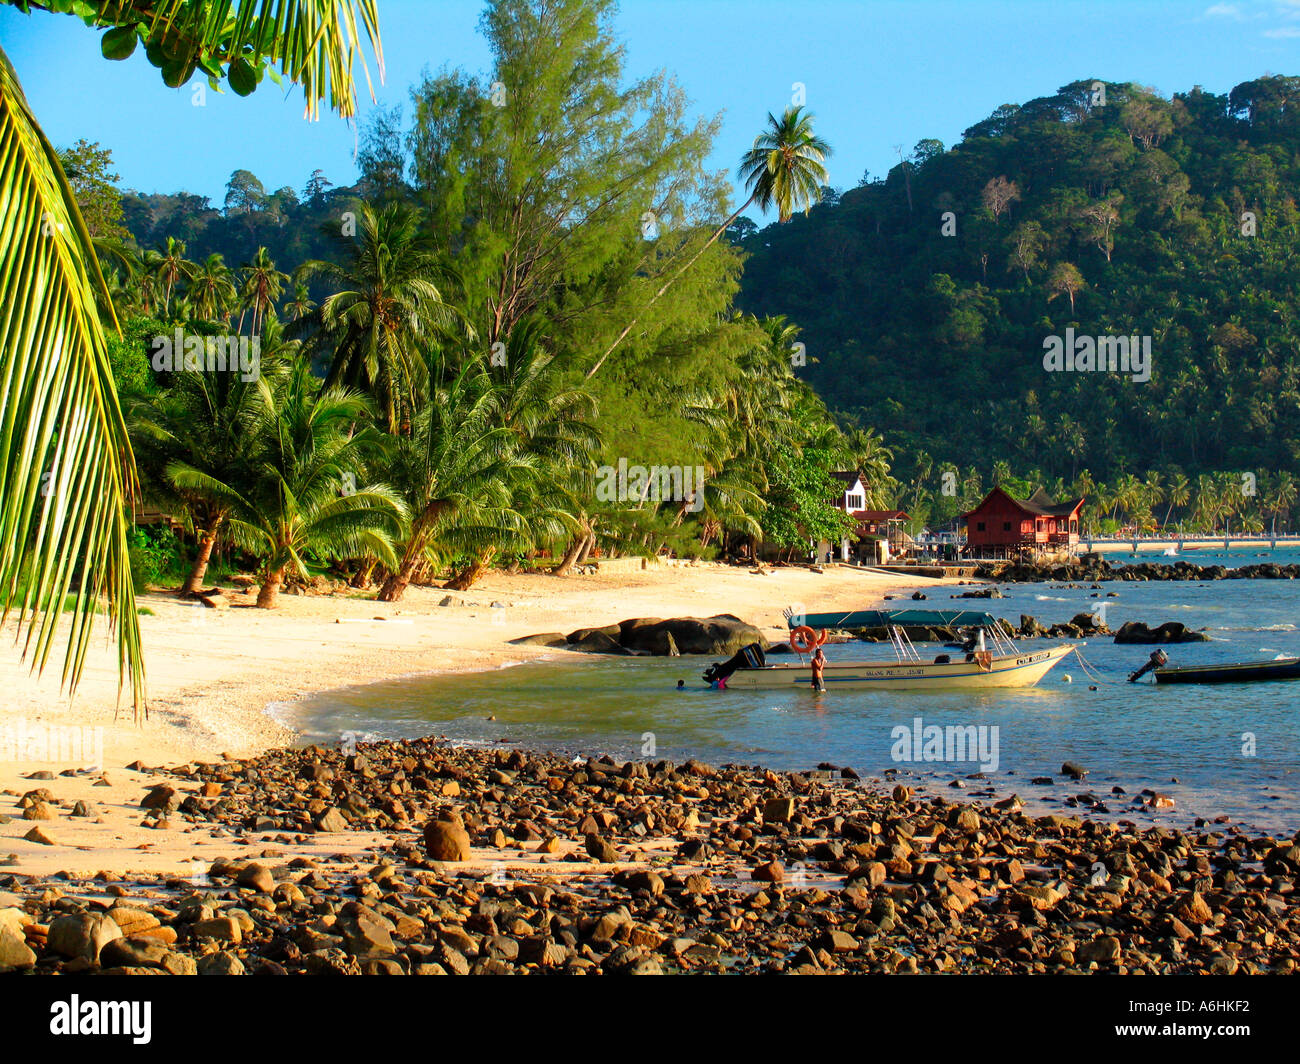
(212,673)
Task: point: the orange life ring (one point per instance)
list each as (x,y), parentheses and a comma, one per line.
(803,638)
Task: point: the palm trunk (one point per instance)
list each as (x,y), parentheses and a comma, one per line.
(472,573)
(266,596)
(588,545)
(195,579)
(668,284)
(396,584)
(570,558)
(362,577)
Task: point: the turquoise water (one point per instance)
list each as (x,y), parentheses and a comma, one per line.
(1233,749)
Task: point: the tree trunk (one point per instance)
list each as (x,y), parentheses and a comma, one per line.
(588,545)
(396,584)
(362,576)
(195,580)
(472,573)
(570,558)
(266,596)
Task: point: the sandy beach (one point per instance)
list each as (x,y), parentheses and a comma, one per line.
(212,673)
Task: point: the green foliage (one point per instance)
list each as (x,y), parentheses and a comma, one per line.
(90,173)
(1128,218)
(156,557)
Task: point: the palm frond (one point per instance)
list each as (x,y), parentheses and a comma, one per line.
(66,468)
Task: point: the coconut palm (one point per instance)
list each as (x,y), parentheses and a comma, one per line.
(386,310)
(454,470)
(550,421)
(303,497)
(211,289)
(170,267)
(785,169)
(1280,497)
(301,304)
(66,469)
(209,422)
(1177,492)
(262,285)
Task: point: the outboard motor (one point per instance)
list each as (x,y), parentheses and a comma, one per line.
(748,657)
(1157,659)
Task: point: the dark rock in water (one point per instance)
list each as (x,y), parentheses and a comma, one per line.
(1169,632)
(919,596)
(1074,770)
(982,593)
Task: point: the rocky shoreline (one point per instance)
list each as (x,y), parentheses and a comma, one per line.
(1092,568)
(504,861)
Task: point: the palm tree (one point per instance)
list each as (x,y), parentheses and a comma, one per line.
(203,429)
(452,468)
(262,286)
(550,421)
(1177,492)
(1281,497)
(387,309)
(1152,491)
(301,305)
(303,497)
(170,267)
(871,459)
(64,415)
(211,289)
(785,168)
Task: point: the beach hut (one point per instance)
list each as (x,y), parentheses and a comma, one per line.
(1003,526)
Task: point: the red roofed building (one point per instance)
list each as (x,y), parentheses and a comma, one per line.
(1004,527)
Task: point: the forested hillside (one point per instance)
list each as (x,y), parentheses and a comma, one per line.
(1103,207)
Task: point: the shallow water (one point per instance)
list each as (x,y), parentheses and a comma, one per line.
(1233,749)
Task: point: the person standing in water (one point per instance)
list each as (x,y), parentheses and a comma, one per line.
(818,665)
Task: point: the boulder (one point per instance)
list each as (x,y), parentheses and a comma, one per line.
(595,641)
(718,635)
(82,935)
(542,639)
(14,952)
(1169,632)
(446,840)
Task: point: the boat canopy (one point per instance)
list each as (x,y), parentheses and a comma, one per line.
(884,618)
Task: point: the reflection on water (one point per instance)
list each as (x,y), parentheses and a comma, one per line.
(1131,736)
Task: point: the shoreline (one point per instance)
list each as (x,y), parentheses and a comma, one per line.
(213,675)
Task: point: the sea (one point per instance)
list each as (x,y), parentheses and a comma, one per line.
(1226,754)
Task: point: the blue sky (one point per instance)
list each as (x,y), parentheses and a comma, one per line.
(877,74)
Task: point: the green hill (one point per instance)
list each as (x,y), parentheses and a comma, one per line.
(1179,219)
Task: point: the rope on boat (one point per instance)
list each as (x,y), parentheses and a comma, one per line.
(1090,670)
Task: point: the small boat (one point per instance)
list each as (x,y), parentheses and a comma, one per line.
(975,666)
(1228,672)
